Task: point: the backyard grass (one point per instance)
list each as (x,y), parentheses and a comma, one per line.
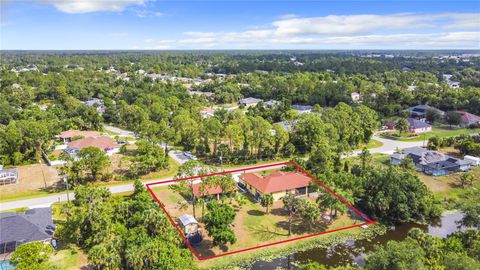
(252,225)
(441,132)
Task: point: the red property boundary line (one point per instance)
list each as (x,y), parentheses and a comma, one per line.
(368,220)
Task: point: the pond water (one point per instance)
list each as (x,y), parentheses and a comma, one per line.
(353,251)
(5,265)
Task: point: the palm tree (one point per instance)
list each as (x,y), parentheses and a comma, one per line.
(266,200)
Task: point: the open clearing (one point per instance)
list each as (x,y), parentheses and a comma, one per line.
(252,225)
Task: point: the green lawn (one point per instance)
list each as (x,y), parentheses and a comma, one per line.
(441,132)
(371,144)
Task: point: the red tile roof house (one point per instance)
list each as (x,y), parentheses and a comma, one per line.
(67,136)
(105,143)
(277,184)
(468,119)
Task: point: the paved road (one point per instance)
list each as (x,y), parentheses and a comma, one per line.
(48,200)
(388,147)
(121,132)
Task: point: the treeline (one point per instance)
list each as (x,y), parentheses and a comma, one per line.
(129,232)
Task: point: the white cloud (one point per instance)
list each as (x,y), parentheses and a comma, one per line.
(144,13)
(407,30)
(85,6)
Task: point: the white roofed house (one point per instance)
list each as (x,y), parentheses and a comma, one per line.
(356,97)
(8,176)
(249,101)
(302,108)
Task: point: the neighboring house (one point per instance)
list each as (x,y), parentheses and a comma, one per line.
(209,191)
(34,225)
(69,135)
(468,119)
(420,111)
(207,112)
(474,161)
(97,103)
(302,108)
(277,184)
(431,162)
(8,176)
(189,224)
(105,143)
(417,126)
(272,103)
(286,125)
(356,97)
(249,102)
(199,93)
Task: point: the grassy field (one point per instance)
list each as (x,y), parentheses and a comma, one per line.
(371,144)
(441,132)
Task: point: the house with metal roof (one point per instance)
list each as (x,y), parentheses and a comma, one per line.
(418,126)
(420,111)
(17,228)
(276,183)
(249,101)
(431,162)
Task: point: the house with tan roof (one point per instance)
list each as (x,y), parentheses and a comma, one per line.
(468,119)
(69,135)
(278,184)
(105,143)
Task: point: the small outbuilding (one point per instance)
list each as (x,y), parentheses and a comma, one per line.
(189,224)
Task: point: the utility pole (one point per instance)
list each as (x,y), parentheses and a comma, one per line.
(65,180)
(221,160)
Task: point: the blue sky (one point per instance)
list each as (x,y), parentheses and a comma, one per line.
(155,24)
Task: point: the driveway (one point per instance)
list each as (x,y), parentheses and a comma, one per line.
(388,147)
(178,156)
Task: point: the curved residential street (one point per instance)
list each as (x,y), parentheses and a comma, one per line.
(388,147)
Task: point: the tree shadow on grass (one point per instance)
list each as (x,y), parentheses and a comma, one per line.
(205,249)
(279,212)
(255,212)
(301,226)
(265,233)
